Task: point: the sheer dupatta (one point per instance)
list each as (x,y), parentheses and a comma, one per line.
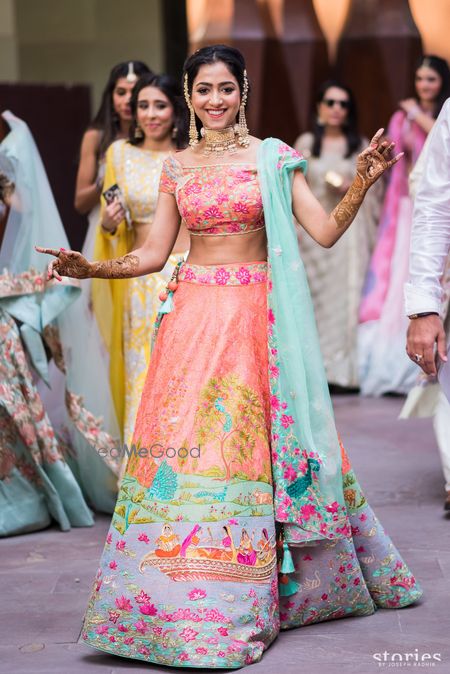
(54,318)
(306,453)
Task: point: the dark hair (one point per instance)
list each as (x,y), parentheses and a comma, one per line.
(442,69)
(230,56)
(170,88)
(106,120)
(350,126)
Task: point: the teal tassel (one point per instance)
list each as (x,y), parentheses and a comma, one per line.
(287,565)
(289,588)
(167,305)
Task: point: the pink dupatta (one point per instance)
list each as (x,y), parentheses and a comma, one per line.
(408,138)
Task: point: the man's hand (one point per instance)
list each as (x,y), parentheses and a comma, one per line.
(423,333)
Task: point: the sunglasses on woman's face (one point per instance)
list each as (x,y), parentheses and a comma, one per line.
(331,101)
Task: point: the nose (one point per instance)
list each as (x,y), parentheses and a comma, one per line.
(216,98)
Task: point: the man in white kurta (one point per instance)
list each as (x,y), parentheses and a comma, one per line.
(424,293)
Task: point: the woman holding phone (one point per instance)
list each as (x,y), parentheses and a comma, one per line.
(125,312)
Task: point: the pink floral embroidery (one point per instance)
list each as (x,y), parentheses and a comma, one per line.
(274,371)
(212,212)
(286,420)
(222,276)
(290,474)
(196,594)
(188,634)
(243,275)
(307,511)
(148,609)
(144,538)
(141,626)
(124,603)
(142,597)
(240,207)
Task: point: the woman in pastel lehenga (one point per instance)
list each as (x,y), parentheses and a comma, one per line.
(336,275)
(49,460)
(384,365)
(126,312)
(236,373)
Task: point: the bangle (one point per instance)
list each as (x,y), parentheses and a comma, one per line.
(108,231)
(423,314)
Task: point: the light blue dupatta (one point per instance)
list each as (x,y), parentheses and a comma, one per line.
(306,454)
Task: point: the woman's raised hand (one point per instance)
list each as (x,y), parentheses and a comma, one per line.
(67,263)
(376,159)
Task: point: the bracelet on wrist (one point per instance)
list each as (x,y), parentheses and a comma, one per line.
(107,230)
(423,315)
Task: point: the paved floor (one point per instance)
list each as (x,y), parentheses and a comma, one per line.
(45,577)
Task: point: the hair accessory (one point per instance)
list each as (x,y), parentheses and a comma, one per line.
(131,75)
(193,134)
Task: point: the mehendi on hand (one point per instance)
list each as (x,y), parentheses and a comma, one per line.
(370,165)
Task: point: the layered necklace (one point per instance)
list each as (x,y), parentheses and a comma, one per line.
(218,141)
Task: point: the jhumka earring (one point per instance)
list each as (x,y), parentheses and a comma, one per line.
(241,127)
(138,133)
(193,134)
(174,132)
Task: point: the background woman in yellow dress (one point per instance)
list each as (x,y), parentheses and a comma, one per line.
(112,121)
(126,311)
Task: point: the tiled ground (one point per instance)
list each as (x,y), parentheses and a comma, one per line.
(45,577)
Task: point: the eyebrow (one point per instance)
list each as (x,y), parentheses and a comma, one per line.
(208,84)
(157,100)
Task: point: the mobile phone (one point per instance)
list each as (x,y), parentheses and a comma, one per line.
(114,193)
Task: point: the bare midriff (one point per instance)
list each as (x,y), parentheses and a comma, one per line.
(211,249)
(142,229)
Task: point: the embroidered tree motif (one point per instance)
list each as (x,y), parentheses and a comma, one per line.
(230,413)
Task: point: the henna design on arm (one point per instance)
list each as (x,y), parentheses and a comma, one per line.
(370,165)
(120,267)
(74,264)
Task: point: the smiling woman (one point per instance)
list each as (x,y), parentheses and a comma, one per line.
(236,370)
(125,313)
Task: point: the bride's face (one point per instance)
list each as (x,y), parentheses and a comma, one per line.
(215,96)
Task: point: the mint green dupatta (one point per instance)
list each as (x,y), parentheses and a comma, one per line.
(306,455)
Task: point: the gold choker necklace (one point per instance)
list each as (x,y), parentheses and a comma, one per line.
(218,141)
